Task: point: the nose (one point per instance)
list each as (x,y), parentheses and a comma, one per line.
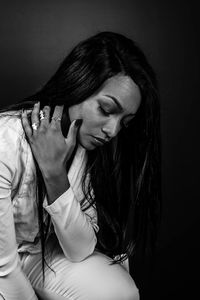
(112,128)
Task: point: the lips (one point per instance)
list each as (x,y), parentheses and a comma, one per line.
(99,140)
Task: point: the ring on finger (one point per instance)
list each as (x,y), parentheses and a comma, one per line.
(34,126)
(56,118)
(42,115)
(46,112)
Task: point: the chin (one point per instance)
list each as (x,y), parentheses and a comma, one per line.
(86,144)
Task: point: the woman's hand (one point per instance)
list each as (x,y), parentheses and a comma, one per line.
(50,149)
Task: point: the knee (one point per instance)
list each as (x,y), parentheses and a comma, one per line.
(131,293)
(127,290)
(123,291)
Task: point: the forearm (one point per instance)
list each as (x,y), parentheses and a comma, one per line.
(72,226)
(74,231)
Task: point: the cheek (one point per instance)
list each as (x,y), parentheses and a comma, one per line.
(90,127)
(91,119)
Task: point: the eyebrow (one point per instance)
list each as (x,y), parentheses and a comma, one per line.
(119,105)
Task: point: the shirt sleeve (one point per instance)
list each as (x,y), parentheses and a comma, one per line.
(75,231)
(9,259)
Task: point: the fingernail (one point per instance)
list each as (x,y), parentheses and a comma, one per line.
(78,122)
(23,112)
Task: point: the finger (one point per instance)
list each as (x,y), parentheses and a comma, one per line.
(35,115)
(73,130)
(45,121)
(26,125)
(57,115)
(70,141)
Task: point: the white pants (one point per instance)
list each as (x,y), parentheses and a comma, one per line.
(91,279)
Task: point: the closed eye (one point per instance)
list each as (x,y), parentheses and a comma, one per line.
(106,113)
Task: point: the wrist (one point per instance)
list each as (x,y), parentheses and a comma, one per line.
(56,184)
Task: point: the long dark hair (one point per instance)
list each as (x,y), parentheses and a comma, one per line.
(130,165)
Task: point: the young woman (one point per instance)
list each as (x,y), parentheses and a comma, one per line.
(77,160)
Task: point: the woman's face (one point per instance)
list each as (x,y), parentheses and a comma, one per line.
(106,111)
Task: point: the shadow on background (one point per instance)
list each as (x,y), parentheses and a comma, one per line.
(174,274)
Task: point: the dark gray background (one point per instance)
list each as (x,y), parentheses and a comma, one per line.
(36,36)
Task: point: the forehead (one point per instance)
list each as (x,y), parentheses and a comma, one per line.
(124,89)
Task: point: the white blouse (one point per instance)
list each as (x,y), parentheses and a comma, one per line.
(75,229)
